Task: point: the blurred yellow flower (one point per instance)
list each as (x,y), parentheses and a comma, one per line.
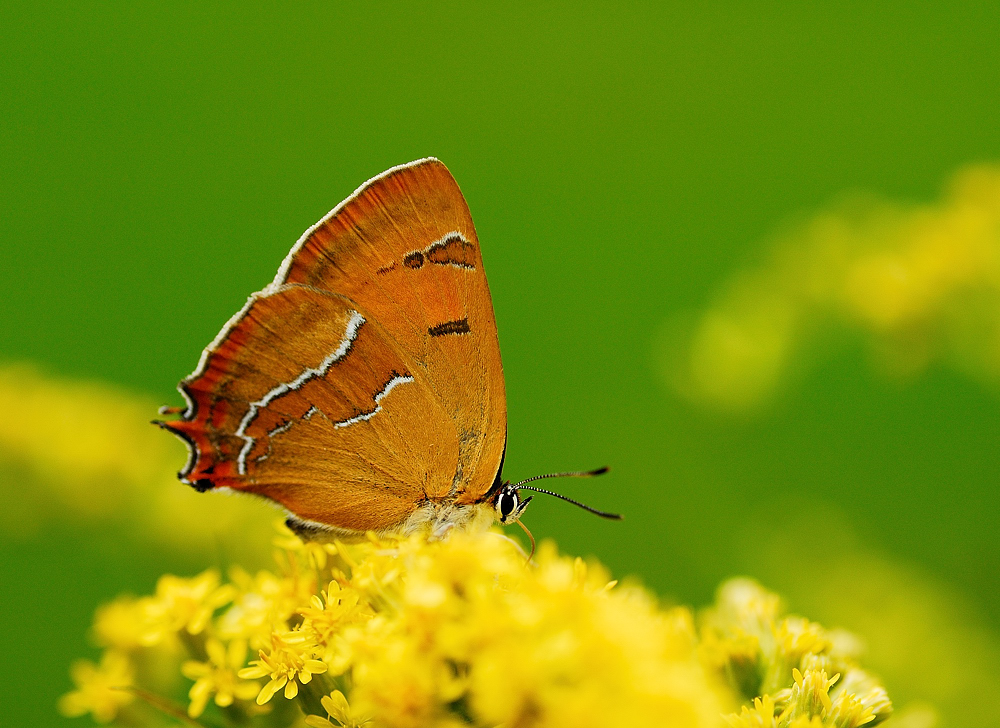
(121,624)
(337,709)
(99,688)
(464,631)
(183,605)
(920,282)
(86,451)
(261,602)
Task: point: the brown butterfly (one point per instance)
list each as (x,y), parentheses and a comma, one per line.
(362,390)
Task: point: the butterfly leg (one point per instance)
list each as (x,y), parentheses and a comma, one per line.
(441,530)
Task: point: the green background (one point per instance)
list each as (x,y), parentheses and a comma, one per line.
(621,163)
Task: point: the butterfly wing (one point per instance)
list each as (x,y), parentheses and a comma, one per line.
(366,379)
(403,246)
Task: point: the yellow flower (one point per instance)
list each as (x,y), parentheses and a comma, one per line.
(858,699)
(121,624)
(920,282)
(785,662)
(850,711)
(314,554)
(289,663)
(336,707)
(99,688)
(477,636)
(89,454)
(330,612)
(217,676)
(263,604)
(184,604)
(760,715)
(810,695)
(464,632)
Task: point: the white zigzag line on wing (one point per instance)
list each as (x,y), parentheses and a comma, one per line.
(378,398)
(345,346)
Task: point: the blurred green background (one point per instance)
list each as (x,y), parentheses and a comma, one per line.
(622,165)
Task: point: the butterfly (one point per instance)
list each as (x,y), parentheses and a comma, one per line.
(362,390)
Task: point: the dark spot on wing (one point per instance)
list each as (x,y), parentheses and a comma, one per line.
(454,250)
(450,327)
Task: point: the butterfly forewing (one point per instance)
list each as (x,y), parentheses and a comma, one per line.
(366,380)
(405,248)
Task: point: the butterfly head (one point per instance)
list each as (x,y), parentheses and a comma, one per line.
(508,503)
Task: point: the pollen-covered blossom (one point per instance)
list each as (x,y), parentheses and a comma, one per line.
(408,633)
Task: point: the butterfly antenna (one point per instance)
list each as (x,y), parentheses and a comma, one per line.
(572,474)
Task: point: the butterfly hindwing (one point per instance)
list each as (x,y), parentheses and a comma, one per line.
(309,419)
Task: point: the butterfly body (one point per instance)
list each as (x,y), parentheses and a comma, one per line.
(362,390)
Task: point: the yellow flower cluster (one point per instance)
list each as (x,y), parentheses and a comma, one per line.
(921,283)
(795,673)
(465,631)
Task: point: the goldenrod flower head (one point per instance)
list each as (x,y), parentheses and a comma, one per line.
(407,633)
(337,709)
(479,634)
(760,714)
(218,676)
(263,604)
(90,454)
(850,711)
(859,700)
(796,637)
(100,689)
(786,664)
(184,605)
(920,282)
(330,612)
(289,663)
(121,624)
(810,694)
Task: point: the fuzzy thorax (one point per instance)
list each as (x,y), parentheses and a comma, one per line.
(436,519)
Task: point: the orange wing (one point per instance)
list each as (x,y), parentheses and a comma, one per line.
(366,379)
(403,246)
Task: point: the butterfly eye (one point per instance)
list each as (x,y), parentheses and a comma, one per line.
(507,503)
